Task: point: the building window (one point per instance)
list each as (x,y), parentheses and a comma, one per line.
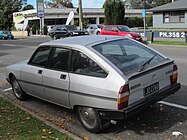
(174,17)
(182,16)
(166,17)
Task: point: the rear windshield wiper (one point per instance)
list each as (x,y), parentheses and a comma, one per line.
(146,63)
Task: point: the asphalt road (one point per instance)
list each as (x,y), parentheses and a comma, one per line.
(157,122)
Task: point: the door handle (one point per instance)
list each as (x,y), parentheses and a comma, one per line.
(62,76)
(39,71)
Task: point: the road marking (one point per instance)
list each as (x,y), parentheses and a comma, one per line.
(174,105)
(8,44)
(8,89)
(19,45)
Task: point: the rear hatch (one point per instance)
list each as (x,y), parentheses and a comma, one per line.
(148,82)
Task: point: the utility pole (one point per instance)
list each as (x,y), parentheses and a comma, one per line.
(80,14)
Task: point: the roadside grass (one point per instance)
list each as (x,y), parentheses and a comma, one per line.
(16,124)
(169,43)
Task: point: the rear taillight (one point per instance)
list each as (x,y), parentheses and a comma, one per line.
(123,97)
(174,76)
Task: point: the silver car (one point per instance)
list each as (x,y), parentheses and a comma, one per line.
(94,29)
(103,78)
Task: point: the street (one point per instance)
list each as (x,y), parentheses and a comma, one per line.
(157,122)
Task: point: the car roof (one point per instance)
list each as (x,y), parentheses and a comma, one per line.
(83,40)
(116,25)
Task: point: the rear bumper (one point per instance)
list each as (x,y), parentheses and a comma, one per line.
(139,105)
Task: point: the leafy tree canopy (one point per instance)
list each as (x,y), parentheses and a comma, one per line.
(59,4)
(114,11)
(7,8)
(139,4)
(28,7)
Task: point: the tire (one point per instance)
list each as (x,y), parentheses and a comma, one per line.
(17,90)
(89,118)
(98,33)
(54,37)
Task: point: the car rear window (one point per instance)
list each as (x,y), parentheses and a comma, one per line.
(128,55)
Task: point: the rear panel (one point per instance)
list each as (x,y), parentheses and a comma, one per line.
(148,83)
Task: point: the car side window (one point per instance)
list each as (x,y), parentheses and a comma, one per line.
(59,59)
(114,28)
(81,64)
(107,28)
(40,57)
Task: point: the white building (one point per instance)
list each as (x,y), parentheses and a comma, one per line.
(55,16)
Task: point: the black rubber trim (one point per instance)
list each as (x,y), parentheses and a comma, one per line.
(72,92)
(94,96)
(60,89)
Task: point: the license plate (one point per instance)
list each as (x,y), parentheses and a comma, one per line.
(152,88)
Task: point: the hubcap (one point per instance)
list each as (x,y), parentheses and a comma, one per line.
(16,89)
(88,116)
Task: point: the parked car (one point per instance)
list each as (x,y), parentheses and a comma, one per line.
(65,31)
(49,27)
(120,30)
(102,77)
(94,29)
(6,35)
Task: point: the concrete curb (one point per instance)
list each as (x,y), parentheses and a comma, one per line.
(40,118)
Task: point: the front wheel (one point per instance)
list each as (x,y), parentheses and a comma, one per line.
(4,38)
(18,92)
(89,118)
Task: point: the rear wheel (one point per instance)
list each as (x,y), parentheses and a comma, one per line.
(54,37)
(18,92)
(89,118)
(98,33)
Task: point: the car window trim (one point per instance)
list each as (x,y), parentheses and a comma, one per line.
(29,62)
(70,67)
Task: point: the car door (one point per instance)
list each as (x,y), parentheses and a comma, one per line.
(87,82)
(106,30)
(114,30)
(31,74)
(56,77)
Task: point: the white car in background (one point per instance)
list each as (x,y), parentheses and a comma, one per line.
(94,29)
(49,27)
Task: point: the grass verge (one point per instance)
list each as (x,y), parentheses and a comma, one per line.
(16,124)
(169,43)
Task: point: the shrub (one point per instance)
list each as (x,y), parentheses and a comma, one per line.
(134,22)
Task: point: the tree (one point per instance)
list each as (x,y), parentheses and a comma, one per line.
(7,7)
(139,4)
(114,12)
(162,2)
(28,7)
(59,4)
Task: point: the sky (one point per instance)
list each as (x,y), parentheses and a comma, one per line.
(85,3)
